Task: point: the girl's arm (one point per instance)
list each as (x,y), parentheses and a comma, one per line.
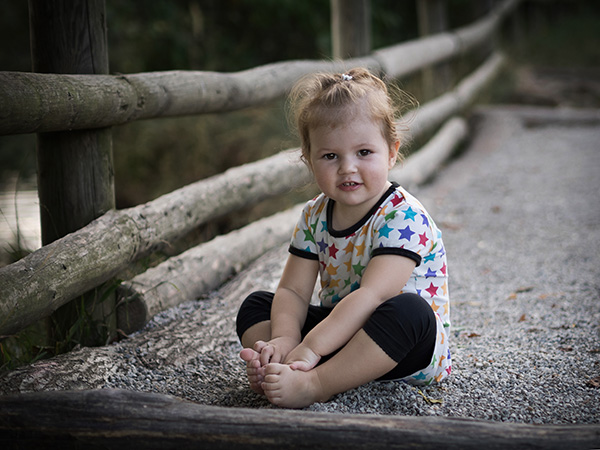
(290,305)
(384,278)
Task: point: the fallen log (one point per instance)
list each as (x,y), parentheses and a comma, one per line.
(117,419)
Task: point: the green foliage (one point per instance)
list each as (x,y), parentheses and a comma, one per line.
(562,37)
(82,322)
(156,157)
(24,348)
(222,35)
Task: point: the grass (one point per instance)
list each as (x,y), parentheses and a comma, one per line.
(82,322)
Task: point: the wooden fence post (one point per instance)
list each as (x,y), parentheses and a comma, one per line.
(350,28)
(433,19)
(75,168)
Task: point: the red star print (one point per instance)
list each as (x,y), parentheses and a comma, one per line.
(423,239)
(333,250)
(443,269)
(396,200)
(432,290)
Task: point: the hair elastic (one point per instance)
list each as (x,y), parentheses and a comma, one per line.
(346,77)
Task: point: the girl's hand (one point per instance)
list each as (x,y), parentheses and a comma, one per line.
(302,358)
(275,350)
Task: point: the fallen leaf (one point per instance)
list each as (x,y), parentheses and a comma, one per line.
(524,289)
(450,226)
(566,348)
(592,382)
(523,318)
(513,295)
(472,335)
(429,400)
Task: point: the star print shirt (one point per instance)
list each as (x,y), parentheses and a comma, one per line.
(399,225)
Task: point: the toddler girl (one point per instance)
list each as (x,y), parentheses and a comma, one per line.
(384,306)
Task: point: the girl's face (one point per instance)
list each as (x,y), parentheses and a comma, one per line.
(350,163)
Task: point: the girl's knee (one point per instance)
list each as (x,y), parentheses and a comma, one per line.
(254,309)
(409,306)
(257,300)
(402,322)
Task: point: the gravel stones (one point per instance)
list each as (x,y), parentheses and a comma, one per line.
(521,220)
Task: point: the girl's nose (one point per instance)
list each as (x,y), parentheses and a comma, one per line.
(347,165)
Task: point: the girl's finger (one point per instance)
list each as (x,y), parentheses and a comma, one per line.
(259,345)
(301,365)
(266,354)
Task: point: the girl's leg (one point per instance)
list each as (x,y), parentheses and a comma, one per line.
(397,340)
(253,325)
(253,316)
(359,362)
(258,332)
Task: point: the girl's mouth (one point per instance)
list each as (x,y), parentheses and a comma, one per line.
(349,186)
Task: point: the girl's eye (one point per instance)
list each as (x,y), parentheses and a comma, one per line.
(329,156)
(364,152)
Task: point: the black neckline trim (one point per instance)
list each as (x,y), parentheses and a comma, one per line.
(361,222)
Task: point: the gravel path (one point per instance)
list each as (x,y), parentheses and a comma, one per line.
(520,212)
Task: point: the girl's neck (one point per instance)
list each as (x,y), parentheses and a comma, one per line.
(344,217)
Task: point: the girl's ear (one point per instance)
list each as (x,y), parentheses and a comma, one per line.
(305,157)
(394,153)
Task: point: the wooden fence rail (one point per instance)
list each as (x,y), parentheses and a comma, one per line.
(187,276)
(36,102)
(53,275)
(37,285)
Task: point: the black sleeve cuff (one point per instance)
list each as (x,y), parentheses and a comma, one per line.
(398,251)
(303,253)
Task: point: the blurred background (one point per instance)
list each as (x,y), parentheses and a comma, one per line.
(157,156)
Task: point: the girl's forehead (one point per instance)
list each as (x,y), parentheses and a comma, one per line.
(341,116)
(345,132)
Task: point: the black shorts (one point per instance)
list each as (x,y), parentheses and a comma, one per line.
(403,326)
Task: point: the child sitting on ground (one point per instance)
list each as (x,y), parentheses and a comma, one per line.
(384,306)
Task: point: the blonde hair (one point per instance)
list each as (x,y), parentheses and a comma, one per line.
(326,99)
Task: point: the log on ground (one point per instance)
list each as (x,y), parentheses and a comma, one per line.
(115,418)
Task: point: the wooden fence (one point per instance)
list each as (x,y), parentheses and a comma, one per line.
(52,276)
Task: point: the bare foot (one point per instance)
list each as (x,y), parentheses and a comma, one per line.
(290,388)
(254,371)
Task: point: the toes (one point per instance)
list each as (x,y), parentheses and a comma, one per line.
(272,379)
(248,354)
(273,369)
